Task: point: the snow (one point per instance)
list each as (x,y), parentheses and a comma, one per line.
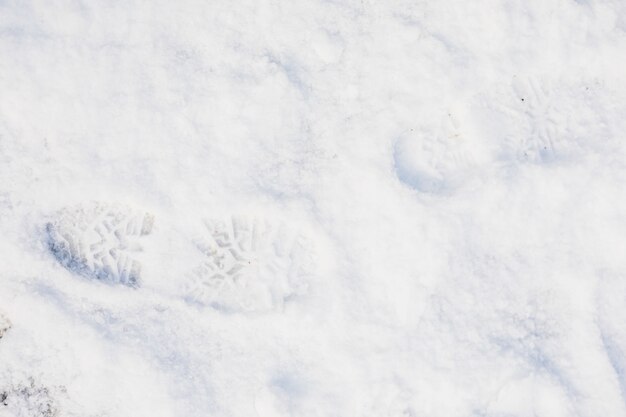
(360,208)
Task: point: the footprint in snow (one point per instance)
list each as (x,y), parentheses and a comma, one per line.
(434,160)
(246,264)
(540,120)
(98,240)
(249,264)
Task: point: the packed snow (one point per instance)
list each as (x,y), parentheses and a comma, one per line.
(313,208)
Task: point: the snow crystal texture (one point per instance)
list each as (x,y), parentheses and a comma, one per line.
(399,208)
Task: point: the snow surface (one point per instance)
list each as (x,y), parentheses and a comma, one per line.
(360,208)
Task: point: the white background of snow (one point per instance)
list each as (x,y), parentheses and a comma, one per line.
(468,270)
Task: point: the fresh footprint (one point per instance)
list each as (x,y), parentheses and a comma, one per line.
(98,240)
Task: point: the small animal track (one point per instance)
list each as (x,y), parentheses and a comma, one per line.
(97,241)
(249,264)
(5,325)
(27,399)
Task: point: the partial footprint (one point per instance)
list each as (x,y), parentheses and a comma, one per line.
(534,108)
(435,159)
(539,120)
(97,240)
(249,264)
(5,325)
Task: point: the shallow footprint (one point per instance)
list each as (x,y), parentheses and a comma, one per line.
(541,120)
(97,240)
(249,264)
(435,160)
